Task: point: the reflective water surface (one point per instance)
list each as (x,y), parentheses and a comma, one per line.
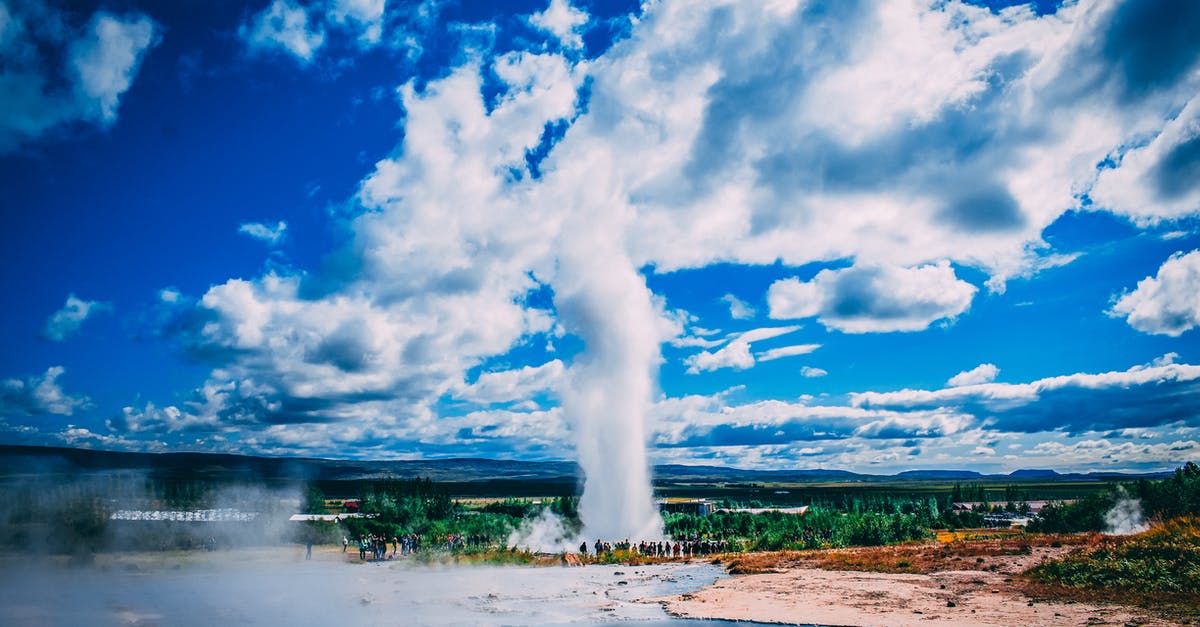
(246,589)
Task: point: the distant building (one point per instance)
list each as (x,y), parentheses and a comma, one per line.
(1035,507)
(697,507)
(797,511)
(704,507)
(1005,520)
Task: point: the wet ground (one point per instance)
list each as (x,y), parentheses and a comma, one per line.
(282,588)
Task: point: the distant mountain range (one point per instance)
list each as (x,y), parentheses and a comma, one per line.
(32,461)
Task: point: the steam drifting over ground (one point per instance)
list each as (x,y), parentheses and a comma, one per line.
(1126,517)
(277,586)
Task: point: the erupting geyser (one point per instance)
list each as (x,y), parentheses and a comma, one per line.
(602,298)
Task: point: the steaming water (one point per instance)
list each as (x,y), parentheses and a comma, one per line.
(279,589)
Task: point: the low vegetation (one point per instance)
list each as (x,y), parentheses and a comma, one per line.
(1165,559)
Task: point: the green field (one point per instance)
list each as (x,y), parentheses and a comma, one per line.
(792,494)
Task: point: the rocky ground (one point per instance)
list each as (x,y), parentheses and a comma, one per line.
(962,584)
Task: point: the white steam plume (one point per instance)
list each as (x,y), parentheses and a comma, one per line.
(545,532)
(1126,517)
(603,299)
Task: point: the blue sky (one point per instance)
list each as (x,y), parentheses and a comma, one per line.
(873,236)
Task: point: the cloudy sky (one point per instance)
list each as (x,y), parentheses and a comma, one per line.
(872,236)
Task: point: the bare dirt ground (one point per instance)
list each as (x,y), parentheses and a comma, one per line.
(960,583)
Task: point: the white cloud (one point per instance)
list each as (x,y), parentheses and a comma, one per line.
(953,424)
(787,351)
(284,26)
(812,373)
(83,80)
(738,308)
(1166,359)
(170,295)
(736,353)
(1157,181)
(107,59)
(1167,303)
(272,235)
(874,299)
(1142,396)
(563,21)
(720,132)
(513,385)
(1084,453)
(983,373)
(364,15)
(433,293)
(33,396)
(695,341)
(66,321)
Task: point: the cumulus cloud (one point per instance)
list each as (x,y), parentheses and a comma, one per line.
(709,421)
(736,352)
(874,299)
(1157,181)
(983,373)
(1084,453)
(40,92)
(39,395)
(1167,303)
(272,235)
(66,321)
(1123,413)
(107,60)
(718,133)
(284,26)
(563,21)
(426,295)
(1143,396)
(513,385)
(810,372)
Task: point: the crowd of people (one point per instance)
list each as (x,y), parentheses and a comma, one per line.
(685,548)
(377,546)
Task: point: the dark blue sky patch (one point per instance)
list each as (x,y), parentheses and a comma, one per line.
(1041,7)
(551,135)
